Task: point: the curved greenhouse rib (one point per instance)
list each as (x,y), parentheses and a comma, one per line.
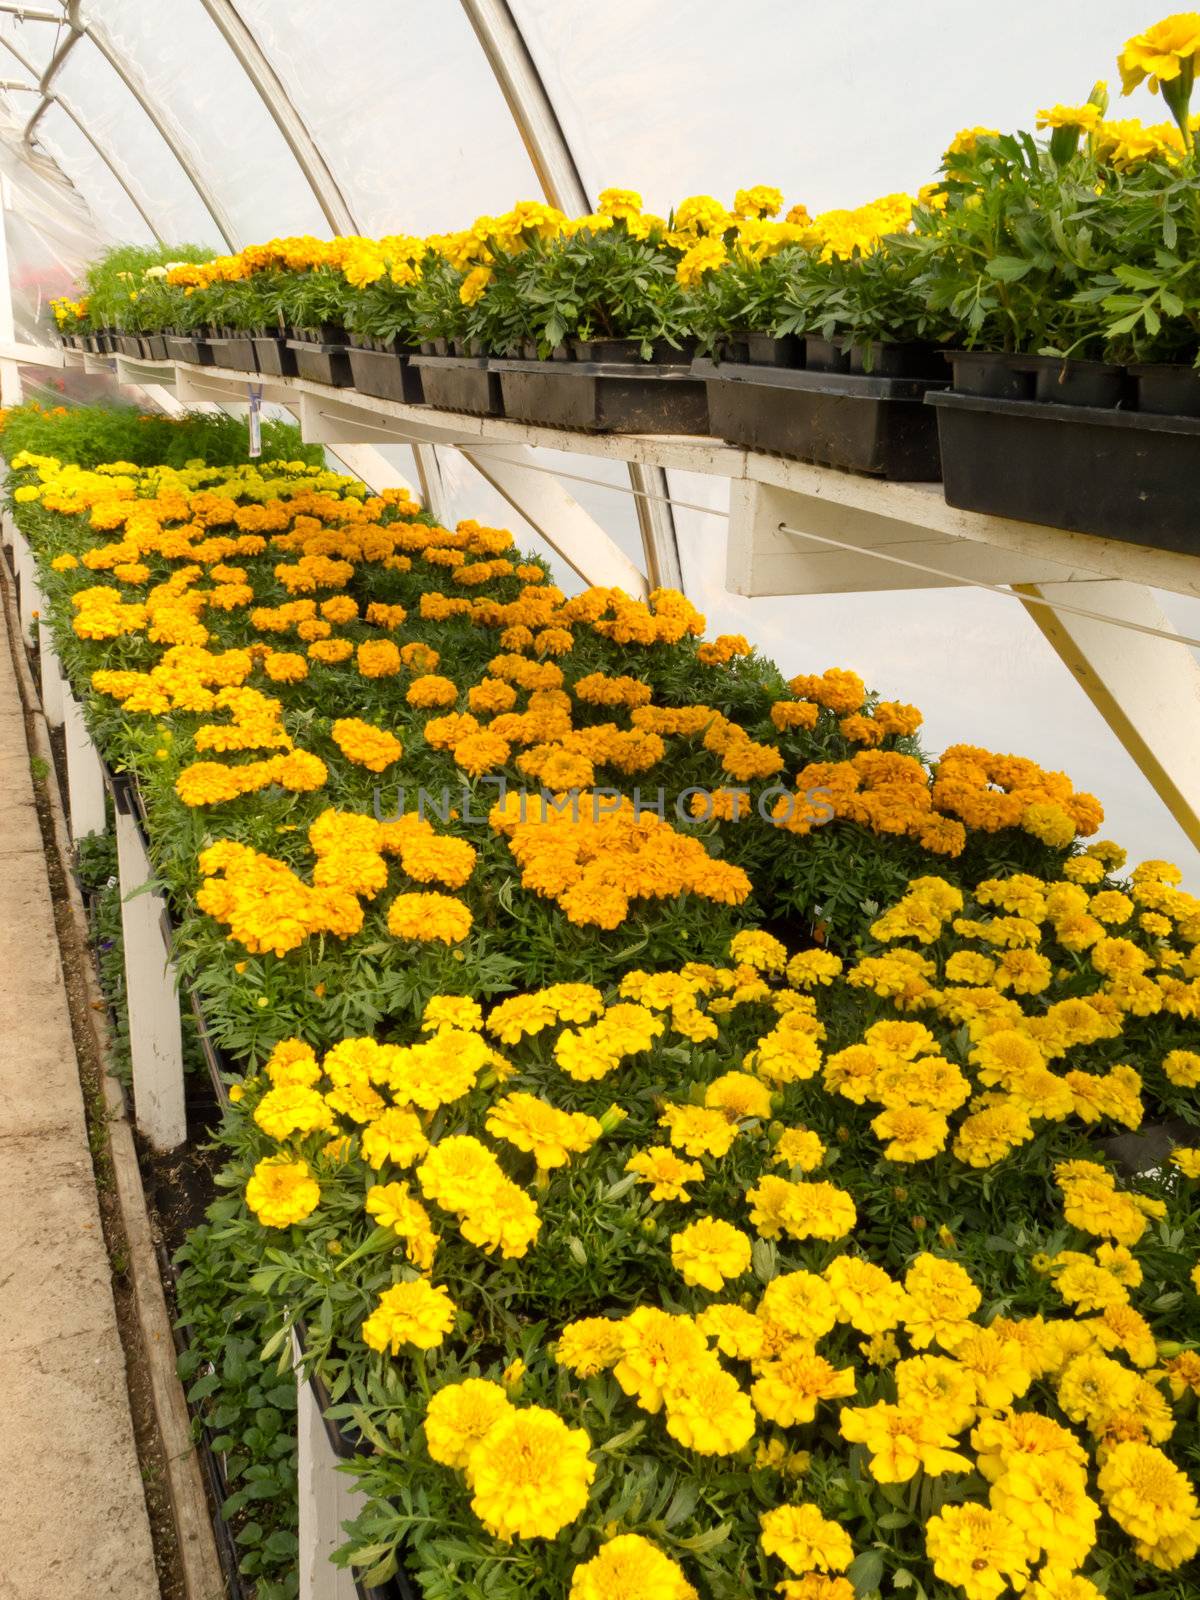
(503,43)
(52,97)
(147,102)
(61,52)
(257,66)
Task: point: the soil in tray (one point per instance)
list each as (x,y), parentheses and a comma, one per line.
(180,1183)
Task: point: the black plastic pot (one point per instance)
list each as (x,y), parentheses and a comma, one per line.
(826,355)
(273,353)
(870,425)
(460,383)
(1076,383)
(1149,1149)
(662,351)
(156,347)
(235,349)
(604,396)
(1168,388)
(381,367)
(129,344)
(321,355)
(766,350)
(1124,475)
(189,347)
(991,373)
(913,358)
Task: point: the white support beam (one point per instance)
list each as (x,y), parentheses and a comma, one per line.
(327,1499)
(31,355)
(562,522)
(86,790)
(1146,689)
(53,685)
(151,995)
(776,547)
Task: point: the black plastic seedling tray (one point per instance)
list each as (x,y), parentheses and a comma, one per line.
(604,396)
(460,383)
(383,369)
(321,361)
(1128,475)
(189,347)
(872,425)
(275,357)
(234,351)
(156,347)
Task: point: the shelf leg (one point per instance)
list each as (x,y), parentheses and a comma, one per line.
(155,1031)
(85,775)
(1146,689)
(327,1499)
(52,678)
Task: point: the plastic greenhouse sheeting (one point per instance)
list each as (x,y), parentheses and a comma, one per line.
(835,103)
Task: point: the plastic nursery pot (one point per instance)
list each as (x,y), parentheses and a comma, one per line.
(460,383)
(189,347)
(768,350)
(235,349)
(911,358)
(274,356)
(605,396)
(1127,475)
(156,347)
(826,355)
(322,359)
(875,426)
(1169,389)
(991,372)
(1076,383)
(381,367)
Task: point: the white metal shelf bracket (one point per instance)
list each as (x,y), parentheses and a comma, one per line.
(1146,689)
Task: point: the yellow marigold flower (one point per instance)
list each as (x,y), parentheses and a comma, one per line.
(938,1386)
(706,255)
(913,1132)
(941,1299)
(530,1475)
(589,1346)
(739,1095)
(549,1135)
(1168,50)
(800,1210)
(737,1332)
(416,1312)
(460,1416)
(1182,1068)
(798,1148)
(629,1567)
(395,1135)
(978,1549)
(292,1109)
(653,1344)
(394,1206)
(708,1252)
(797,1306)
(1152,1500)
(365,745)
(787,1391)
(431,918)
(864,1295)
(281,1192)
(804,1539)
(706,1409)
(901,1439)
(698,1130)
(293,1062)
(666,1172)
(1085,117)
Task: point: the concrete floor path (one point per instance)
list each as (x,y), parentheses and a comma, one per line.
(72,1511)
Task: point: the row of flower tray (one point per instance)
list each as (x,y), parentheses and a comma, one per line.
(1080,445)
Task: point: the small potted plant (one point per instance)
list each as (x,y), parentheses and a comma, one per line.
(381,318)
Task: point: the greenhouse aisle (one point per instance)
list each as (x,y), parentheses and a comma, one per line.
(73,1514)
